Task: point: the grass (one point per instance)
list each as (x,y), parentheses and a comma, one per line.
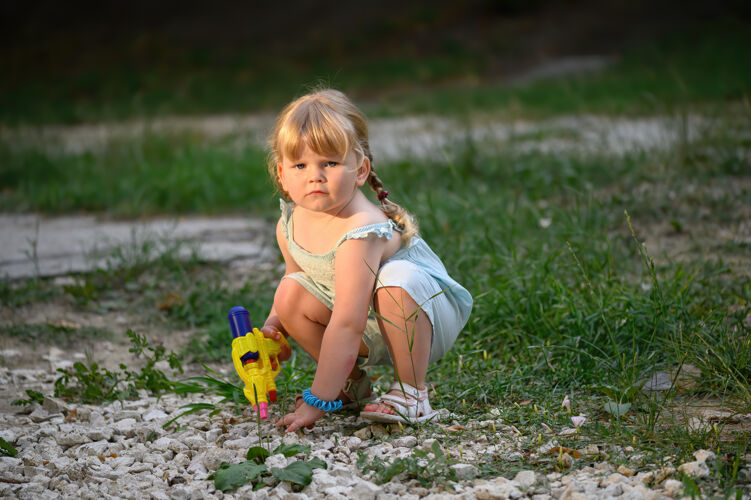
(572,295)
(707,65)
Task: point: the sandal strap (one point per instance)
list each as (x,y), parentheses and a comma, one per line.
(408,390)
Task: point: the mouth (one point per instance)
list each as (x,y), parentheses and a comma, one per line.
(316,192)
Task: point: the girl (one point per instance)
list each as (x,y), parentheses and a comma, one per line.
(361,288)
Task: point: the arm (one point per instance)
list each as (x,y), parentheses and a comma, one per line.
(357,262)
(272,327)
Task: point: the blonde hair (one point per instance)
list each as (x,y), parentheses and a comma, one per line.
(330,124)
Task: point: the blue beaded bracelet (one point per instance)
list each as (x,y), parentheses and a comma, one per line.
(313,401)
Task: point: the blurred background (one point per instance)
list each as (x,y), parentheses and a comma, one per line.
(86,61)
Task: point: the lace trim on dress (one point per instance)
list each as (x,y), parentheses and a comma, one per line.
(382,229)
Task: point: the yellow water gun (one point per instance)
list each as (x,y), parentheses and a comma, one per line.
(252,354)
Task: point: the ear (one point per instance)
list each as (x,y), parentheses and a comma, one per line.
(280,176)
(363,171)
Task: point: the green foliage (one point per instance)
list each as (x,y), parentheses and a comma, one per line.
(54,334)
(93,384)
(33,397)
(153,174)
(253,470)
(423,467)
(7,449)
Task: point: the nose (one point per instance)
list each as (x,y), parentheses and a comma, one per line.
(317,174)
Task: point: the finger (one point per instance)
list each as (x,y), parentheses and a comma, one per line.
(273,364)
(293,426)
(280,422)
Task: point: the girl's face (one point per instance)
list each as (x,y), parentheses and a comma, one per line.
(322,183)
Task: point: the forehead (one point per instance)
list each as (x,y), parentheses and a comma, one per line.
(306,152)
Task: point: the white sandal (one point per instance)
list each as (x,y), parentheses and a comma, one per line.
(412,408)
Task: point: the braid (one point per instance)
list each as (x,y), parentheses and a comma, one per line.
(403,219)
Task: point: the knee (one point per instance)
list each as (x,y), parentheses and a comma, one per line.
(293,301)
(286,296)
(392,301)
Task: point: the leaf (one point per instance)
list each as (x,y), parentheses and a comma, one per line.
(297,473)
(616,409)
(234,476)
(290,450)
(7,449)
(317,463)
(193,407)
(258,454)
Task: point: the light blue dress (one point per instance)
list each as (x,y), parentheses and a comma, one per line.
(415,268)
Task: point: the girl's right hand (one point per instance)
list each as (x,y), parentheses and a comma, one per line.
(272,332)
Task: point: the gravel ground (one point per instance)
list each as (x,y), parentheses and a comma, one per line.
(120,450)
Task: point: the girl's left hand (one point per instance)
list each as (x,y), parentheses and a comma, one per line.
(304,416)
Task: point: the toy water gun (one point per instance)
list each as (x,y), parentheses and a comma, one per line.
(252,354)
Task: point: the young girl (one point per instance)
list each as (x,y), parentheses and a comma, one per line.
(361,288)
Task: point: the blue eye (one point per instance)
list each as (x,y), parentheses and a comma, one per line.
(299,166)
(331,163)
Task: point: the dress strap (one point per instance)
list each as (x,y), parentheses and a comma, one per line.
(286,208)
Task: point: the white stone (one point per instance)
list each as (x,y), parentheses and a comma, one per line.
(694,469)
(672,487)
(351,442)
(39,415)
(69,439)
(464,471)
(240,444)
(55,405)
(127,426)
(704,455)
(213,458)
(406,442)
(525,478)
(154,415)
(99,433)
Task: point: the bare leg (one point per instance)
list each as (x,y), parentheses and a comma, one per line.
(410,362)
(305,318)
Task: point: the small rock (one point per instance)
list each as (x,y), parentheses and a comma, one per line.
(55,405)
(277,460)
(406,442)
(71,439)
(378,430)
(591,449)
(213,458)
(704,455)
(352,443)
(525,478)
(464,471)
(626,471)
(364,434)
(154,415)
(100,433)
(39,415)
(694,469)
(566,461)
(672,487)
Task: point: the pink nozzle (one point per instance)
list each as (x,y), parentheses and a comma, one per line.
(264,409)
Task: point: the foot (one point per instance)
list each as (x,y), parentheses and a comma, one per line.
(380,407)
(400,404)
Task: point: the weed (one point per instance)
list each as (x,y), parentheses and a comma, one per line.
(426,467)
(298,473)
(33,397)
(89,383)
